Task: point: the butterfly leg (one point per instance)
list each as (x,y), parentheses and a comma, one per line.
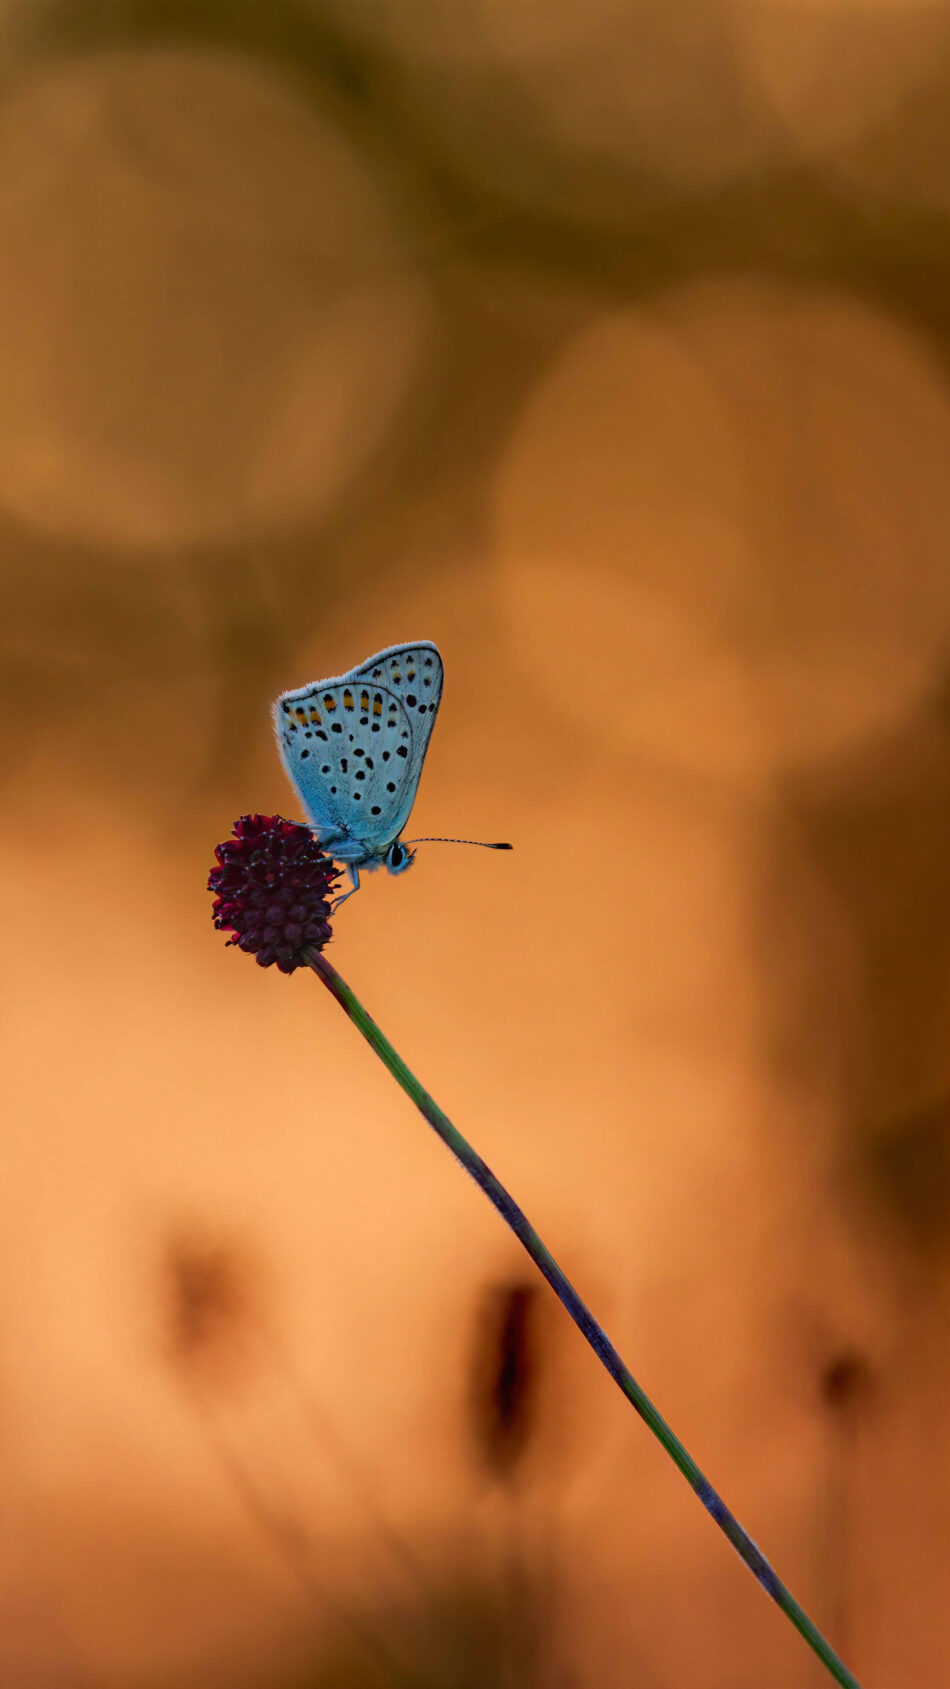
(354,874)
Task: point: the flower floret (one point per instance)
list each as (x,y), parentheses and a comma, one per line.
(272,890)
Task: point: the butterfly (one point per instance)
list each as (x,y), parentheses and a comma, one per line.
(353,748)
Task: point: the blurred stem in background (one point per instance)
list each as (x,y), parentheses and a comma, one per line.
(583,1319)
(504,1399)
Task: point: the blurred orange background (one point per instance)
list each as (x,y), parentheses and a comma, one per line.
(606,345)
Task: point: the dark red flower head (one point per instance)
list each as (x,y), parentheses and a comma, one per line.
(271,890)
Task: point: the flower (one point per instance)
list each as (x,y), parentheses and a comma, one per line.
(271,890)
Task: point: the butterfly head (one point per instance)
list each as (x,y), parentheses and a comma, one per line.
(399,858)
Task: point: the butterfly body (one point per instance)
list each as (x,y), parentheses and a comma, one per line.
(353,747)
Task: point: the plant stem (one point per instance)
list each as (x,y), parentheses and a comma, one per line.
(583,1319)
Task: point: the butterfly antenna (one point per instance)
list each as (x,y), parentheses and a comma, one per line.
(482,843)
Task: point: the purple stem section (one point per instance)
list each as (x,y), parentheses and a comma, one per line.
(583,1319)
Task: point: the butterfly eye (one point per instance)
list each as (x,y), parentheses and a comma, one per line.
(396,855)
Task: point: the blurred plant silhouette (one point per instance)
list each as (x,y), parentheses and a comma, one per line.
(506,1378)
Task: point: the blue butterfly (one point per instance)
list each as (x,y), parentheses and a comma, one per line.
(353,747)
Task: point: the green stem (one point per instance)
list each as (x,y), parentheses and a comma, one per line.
(583,1319)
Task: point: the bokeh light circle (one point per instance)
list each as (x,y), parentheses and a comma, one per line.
(720,527)
(577,111)
(833,71)
(207,321)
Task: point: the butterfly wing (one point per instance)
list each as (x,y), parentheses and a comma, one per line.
(413,675)
(354,752)
(310,757)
